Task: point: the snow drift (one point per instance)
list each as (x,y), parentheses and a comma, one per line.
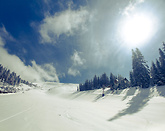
(58,106)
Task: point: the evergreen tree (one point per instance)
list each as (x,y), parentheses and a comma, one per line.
(120,81)
(132,80)
(140,69)
(162,58)
(159,82)
(99,83)
(163,46)
(155,78)
(134,68)
(87,85)
(10,78)
(1,71)
(91,85)
(112,80)
(95,82)
(104,80)
(162,65)
(7,76)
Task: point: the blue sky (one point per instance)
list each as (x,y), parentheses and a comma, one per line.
(72,40)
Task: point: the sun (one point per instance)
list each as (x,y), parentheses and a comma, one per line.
(137,29)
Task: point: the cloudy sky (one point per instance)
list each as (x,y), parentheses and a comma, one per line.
(72,40)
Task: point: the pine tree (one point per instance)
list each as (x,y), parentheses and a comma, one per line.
(155,76)
(99,83)
(81,87)
(91,85)
(112,81)
(120,81)
(7,76)
(132,80)
(140,69)
(159,82)
(1,71)
(164,46)
(162,65)
(95,82)
(104,80)
(87,87)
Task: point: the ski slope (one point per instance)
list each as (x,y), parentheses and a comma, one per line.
(59,107)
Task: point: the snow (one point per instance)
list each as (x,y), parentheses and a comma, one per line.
(59,107)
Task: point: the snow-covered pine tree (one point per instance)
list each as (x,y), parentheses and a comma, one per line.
(160,75)
(95,82)
(91,85)
(134,68)
(162,65)
(7,76)
(98,82)
(141,72)
(112,80)
(155,76)
(121,82)
(164,46)
(132,80)
(87,85)
(104,80)
(1,71)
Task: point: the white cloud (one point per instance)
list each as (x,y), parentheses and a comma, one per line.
(77,60)
(66,22)
(34,73)
(131,6)
(46,72)
(77,63)
(5,35)
(73,72)
(1,42)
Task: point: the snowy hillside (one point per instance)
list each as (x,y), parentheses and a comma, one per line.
(59,107)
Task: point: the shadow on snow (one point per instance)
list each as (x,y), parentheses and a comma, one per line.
(161,90)
(136,103)
(77,94)
(130,92)
(109,91)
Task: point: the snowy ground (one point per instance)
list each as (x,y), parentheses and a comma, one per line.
(58,107)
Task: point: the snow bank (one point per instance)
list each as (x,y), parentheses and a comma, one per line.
(58,106)
(6,89)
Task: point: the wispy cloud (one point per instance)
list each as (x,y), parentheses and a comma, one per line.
(46,72)
(73,72)
(131,6)
(66,22)
(34,73)
(5,35)
(78,62)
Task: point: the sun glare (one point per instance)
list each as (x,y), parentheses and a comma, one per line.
(137,29)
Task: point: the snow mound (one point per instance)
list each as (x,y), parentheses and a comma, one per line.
(58,106)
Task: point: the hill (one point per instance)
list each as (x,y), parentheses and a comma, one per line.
(58,106)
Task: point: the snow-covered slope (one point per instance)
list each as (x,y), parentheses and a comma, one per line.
(59,107)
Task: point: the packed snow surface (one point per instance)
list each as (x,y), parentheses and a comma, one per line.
(59,107)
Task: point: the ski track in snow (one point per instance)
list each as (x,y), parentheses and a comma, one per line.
(15,115)
(59,107)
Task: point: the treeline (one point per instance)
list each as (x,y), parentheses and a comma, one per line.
(6,76)
(113,82)
(140,75)
(158,69)
(143,76)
